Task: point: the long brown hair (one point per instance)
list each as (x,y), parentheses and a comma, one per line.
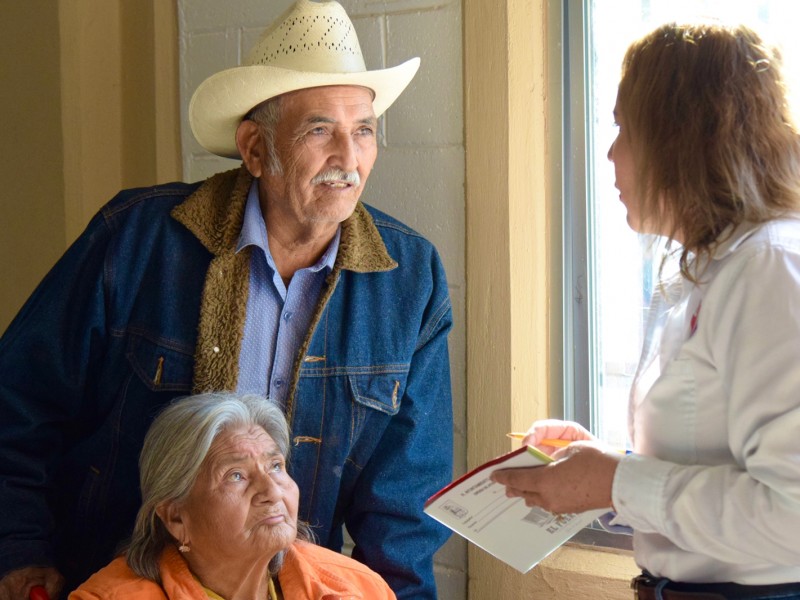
(712,133)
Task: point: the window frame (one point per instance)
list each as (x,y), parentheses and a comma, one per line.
(512,121)
(576,254)
(580,317)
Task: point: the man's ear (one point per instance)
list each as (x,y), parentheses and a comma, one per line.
(251,147)
(171,515)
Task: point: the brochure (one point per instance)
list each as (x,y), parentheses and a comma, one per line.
(478,509)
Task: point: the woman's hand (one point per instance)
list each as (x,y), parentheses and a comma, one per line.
(553,429)
(579,479)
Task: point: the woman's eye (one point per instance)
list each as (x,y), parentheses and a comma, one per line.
(277,466)
(236,476)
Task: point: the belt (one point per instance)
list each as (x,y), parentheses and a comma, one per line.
(647,587)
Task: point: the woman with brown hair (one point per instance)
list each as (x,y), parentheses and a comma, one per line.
(707,156)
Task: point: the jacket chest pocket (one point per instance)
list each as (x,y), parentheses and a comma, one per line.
(376,398)
(160,367)
(379,392)
(159,373)
(337,409)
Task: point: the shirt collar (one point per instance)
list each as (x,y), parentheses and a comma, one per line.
(731,238)
(254,233)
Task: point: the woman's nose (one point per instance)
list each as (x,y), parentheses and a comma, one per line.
(268,489)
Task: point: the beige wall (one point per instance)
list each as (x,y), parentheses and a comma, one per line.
(89,107)
(513,271)
(31,156)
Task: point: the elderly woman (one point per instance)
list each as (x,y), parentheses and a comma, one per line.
(707,155)
(219,514)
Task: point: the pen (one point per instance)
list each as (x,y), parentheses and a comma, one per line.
(556,443)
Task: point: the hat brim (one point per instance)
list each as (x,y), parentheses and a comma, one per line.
(220,103)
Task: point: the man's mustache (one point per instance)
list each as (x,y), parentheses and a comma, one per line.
(337,175)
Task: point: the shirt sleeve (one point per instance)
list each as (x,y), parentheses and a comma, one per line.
(748,510)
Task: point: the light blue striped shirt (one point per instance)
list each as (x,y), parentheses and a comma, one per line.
(277,318)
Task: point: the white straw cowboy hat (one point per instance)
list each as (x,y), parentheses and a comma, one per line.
(311,45)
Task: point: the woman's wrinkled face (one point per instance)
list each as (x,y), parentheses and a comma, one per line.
(243,503)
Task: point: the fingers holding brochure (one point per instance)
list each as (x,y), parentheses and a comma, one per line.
(578,480)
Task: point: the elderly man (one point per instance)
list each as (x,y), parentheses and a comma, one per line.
(272,278)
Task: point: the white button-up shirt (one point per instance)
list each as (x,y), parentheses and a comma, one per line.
(713,488)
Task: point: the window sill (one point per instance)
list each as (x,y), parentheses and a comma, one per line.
(574,571)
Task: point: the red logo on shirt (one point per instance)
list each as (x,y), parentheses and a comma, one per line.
(693,322)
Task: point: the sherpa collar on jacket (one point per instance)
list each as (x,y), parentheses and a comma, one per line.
(214,214)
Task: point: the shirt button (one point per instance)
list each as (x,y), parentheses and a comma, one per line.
(278,382)
(287,315)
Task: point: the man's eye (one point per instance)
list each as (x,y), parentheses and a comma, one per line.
(366,131)
(317,131)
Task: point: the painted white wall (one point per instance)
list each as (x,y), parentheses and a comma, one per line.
(419,175)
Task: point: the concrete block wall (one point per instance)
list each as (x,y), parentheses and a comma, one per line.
(419,175)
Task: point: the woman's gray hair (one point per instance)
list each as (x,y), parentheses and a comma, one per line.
(172,455)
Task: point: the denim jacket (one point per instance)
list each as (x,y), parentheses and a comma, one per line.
(149,305)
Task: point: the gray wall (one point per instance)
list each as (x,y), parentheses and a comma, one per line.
(419,175)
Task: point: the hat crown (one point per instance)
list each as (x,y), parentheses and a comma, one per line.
(312,37)
(313,44)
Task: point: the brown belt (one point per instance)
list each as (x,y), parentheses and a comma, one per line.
(646,587)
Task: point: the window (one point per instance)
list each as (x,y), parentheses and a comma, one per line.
(609,270)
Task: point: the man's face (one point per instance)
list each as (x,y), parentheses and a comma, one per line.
(325,142)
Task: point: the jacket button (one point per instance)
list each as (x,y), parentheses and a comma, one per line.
(216,349)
